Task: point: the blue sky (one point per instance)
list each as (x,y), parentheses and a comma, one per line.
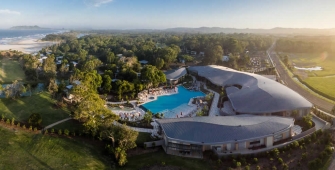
(160,14)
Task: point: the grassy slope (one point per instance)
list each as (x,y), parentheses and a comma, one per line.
(156,158)
(10,70)
(325,85)
(326,61)
(40,103)
(22,150)
(317,79)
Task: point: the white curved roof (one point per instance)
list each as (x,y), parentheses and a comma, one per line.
(257,95)
(175,74)
(220,129)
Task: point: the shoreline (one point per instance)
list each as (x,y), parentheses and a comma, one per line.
(27,46)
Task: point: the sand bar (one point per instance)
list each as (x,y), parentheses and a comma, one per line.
(27,46)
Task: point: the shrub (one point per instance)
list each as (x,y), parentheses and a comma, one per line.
(13,121)
(247,167)
(238,164)
(280,160)
(30,128)
(46,131)
(274,168)
(7,121)
(66,132)
(18,124)
(35,119)
(52,130)
(2,117)
(285,167)
(35,129)
(295,144)
(73,133)
(24,126)
(60,132)
(258,167)
(255,160)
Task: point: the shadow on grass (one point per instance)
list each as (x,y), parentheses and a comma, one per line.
(42,103)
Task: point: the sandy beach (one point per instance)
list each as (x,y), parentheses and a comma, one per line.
(27,46)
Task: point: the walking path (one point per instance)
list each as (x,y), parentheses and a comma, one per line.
(214,110)
(56,123)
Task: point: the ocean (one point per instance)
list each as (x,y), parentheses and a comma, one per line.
(8,36)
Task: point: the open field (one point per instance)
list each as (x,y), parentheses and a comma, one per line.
(324,60)
(10,70)
(23,150)
(41,103)
(322,84)
(322,81)
(160,157)
(71,125)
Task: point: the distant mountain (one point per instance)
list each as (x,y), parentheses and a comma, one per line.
(35,27)
(276,30)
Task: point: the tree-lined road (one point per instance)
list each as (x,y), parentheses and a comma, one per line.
(284,76)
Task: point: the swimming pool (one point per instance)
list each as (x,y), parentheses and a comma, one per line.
(172,101)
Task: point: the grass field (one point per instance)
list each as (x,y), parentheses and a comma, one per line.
(324,60)
(324,80)
(159,157)
(41,103)
(323,84)
(23,150)
(10,70)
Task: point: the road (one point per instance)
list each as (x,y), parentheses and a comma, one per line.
(321,103)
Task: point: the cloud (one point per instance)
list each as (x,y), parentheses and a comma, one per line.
(7,11)
(97,3)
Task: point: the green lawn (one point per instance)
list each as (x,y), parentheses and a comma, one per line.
(71,125)
(41,103)
(10,70)
(323,84)
(324,60)
(23,150)
(159,157)
(143,137)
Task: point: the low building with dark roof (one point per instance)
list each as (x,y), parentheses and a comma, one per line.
(173,76)
(223,134)
(254,94)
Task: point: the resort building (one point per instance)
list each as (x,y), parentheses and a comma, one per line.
(173,76)
(250,93)
(223,134)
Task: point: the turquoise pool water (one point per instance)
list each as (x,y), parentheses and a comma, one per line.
(172,101)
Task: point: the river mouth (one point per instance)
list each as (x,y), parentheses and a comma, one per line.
(316,68)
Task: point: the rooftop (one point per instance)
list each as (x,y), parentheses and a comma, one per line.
(175,74)
(211,130)
(258,93)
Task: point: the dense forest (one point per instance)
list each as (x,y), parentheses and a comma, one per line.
(306,44)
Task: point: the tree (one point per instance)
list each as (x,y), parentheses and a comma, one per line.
(53,87)
(49,67)
(106,83)
(147,117)
(35,119)
(213,54)
(150,75)
(159,63)
(187,58)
